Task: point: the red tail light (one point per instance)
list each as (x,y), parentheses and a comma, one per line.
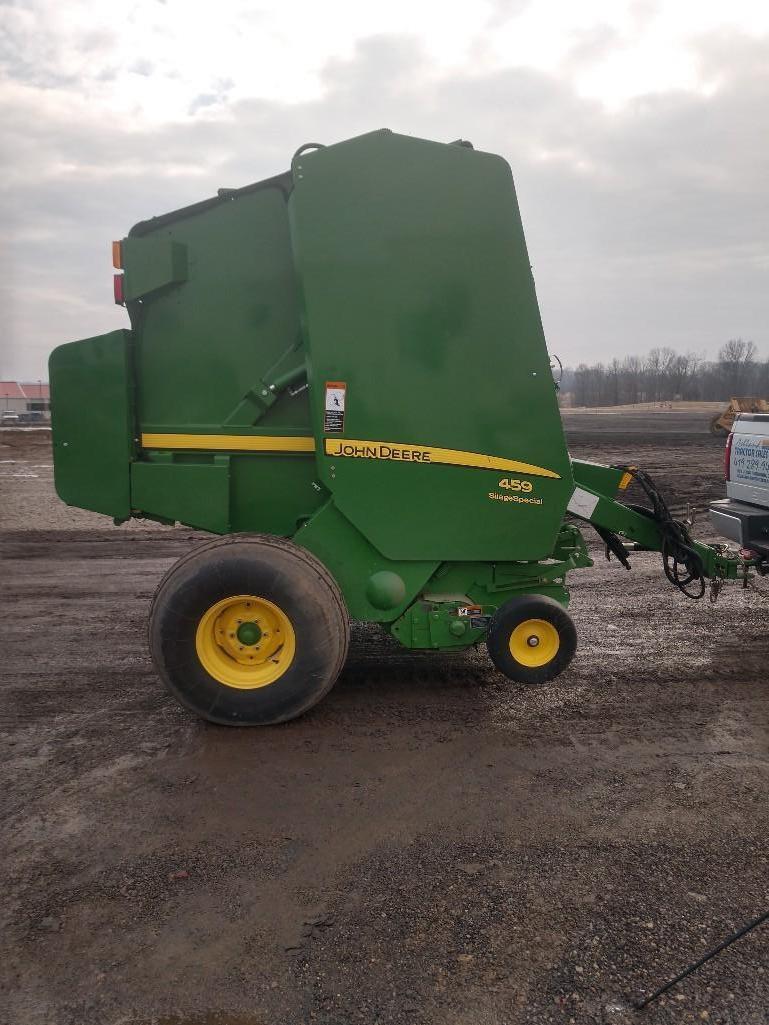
(117,286)
(728,457)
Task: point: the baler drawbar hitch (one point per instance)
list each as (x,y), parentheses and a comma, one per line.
(688,564)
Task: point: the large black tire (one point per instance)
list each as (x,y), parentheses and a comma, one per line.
(531,639)
(274,591)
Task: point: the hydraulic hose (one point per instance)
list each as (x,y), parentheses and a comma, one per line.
(681,562)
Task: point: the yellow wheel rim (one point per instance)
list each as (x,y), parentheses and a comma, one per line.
(534,643)
(245,642)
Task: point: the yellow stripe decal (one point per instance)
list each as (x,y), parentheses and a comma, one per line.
(350,448)
(229,442)
(343,448)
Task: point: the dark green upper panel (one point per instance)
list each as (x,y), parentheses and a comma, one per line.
(418,296)
(216,309)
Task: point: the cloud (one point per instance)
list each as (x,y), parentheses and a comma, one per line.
(646,224)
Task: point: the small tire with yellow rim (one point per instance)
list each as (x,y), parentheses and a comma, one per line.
(248,630)
(531,639)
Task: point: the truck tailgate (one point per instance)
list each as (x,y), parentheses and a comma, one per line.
(749,463)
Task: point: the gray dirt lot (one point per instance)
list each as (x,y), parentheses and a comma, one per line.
(431,845)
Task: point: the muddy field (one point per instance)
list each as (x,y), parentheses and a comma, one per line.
(431,845)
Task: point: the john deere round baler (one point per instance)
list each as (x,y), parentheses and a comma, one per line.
(342,371)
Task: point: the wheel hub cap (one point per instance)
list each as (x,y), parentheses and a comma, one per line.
(249,633)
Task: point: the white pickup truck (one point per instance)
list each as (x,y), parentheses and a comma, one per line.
(744,515)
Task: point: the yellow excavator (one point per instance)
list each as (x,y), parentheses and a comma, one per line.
(722,422)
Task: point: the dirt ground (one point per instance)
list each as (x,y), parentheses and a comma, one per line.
(432,844)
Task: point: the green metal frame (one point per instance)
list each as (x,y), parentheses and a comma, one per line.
(602,483)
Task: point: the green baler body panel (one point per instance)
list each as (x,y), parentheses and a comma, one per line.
(92,422)
(418,296)
(395,271)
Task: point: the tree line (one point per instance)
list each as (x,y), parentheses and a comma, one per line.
(664,375)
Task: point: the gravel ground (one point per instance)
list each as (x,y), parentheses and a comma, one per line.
(431,844)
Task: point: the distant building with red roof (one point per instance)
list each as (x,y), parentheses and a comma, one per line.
(25,397)
(36,391)
(11,390)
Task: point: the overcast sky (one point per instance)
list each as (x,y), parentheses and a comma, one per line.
(638,134)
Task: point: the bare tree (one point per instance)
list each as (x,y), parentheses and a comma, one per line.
(614,382)
(736,361)
(664,375)
(632,375)
(657,368)
(682,373)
